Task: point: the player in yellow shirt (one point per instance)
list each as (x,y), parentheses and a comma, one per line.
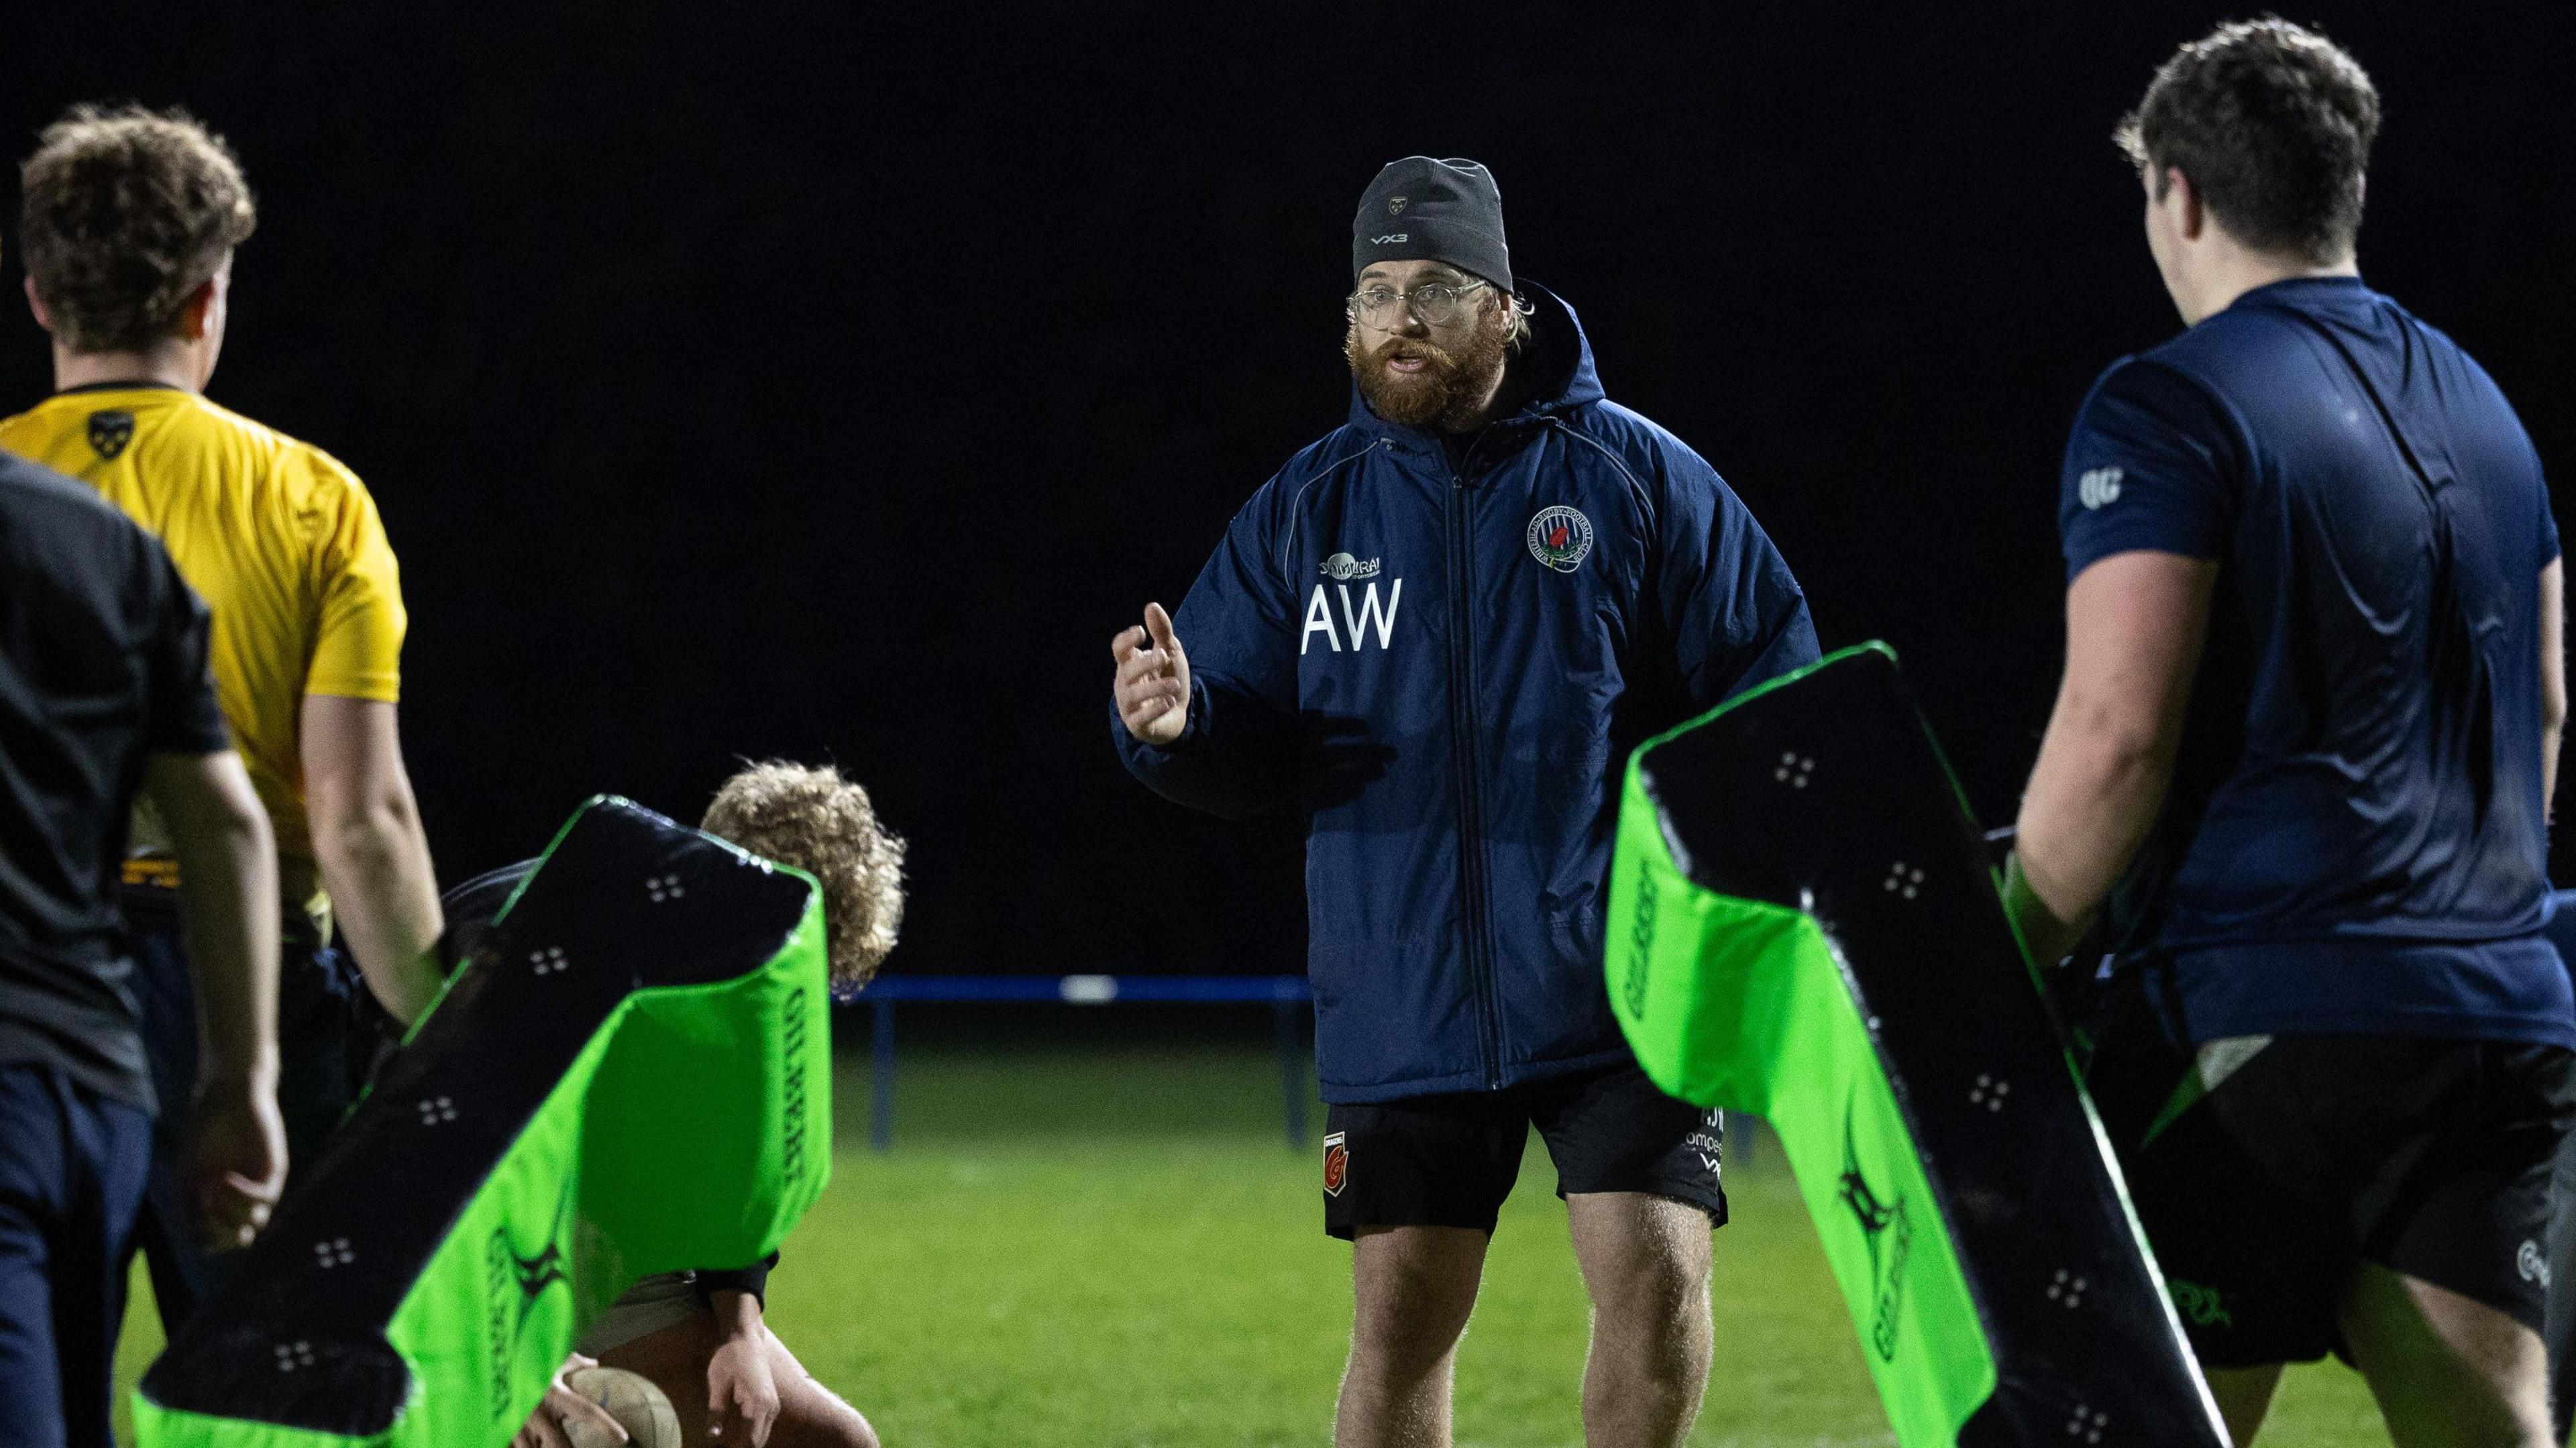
(129,224)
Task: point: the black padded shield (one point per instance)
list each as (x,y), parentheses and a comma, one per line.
(298,1338)
(1828,794)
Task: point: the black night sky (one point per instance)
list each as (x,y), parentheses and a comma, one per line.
(831,381)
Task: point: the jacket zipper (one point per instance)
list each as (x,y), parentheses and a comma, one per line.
(1472,885)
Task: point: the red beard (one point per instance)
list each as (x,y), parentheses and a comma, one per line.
(1446,393)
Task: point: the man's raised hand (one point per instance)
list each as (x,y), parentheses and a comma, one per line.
(1153,683)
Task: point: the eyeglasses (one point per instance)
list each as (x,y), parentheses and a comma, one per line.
(1436,304)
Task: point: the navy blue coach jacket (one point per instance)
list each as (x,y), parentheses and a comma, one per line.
(1444,664)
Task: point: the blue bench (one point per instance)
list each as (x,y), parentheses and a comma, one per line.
(1286,995)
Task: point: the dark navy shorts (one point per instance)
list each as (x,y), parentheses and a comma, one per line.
(72,1164)
(1449,1161)
(2267,1170)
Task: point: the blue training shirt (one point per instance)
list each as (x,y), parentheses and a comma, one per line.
(2355,838)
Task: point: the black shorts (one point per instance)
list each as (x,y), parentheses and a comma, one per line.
(2429,1156)
(1448,1161)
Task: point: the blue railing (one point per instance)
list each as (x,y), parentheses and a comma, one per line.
(1286,995)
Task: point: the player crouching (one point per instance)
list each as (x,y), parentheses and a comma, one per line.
(699,1336)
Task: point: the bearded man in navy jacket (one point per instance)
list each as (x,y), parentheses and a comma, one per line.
(1438,632)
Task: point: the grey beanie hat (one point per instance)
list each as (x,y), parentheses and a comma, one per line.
(1419,209)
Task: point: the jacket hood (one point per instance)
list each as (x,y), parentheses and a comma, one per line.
(1556,365)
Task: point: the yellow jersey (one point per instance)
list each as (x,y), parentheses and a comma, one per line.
(283,544)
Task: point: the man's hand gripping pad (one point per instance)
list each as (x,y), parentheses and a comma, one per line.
(1805,927)
(630,1076)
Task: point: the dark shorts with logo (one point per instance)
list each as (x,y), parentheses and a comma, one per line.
(1448,1161)
(2429,1156)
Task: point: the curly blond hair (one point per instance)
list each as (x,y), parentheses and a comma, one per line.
(823,823)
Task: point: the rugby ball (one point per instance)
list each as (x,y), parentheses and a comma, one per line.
(632,1400)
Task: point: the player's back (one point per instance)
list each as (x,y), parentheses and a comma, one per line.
(281,541)
(2391,528)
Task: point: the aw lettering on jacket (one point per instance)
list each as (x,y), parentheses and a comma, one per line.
(1358,621)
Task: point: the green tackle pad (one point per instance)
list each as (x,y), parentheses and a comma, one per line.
(631,1074)
(1804,926)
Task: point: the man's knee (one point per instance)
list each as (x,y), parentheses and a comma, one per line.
(1645,1263)
(1413,1288)
(2446,1368)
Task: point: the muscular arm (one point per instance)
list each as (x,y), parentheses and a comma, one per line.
(2135,623)
(368,840)
(2553,678)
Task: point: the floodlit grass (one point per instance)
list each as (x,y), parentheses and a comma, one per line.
(1105,1245)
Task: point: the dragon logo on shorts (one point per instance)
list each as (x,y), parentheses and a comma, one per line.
(1337,1164)
(2200,1306)
(1559,537)
(109,432)
(1889,1230)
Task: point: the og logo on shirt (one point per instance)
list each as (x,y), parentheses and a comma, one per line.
(2099,488)
(1559,537)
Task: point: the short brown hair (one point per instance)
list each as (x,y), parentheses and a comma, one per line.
(825,825)
(2273,124)
(126,213)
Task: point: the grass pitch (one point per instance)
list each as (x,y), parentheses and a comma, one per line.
(1098,1238)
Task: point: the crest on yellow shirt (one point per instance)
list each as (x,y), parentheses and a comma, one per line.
(109,432)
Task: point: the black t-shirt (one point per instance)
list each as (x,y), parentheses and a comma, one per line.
(102,661)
